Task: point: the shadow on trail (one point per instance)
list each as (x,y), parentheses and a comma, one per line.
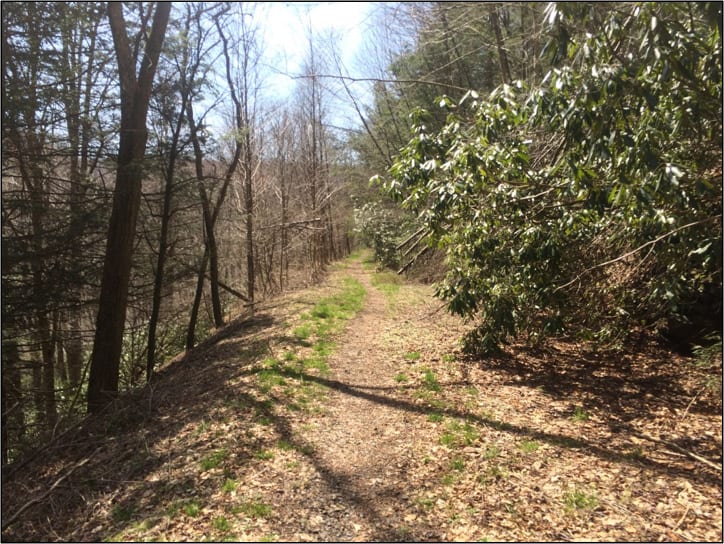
(616,383)
(124,481)
(384,528)
(551,438)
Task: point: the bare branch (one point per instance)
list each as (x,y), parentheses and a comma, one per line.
(643,246)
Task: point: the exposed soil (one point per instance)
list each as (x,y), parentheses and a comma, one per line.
(403,439)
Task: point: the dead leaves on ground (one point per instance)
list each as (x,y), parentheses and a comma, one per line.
(536,445)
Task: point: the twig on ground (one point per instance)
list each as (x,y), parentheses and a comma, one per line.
(678,448)
(12,519)
(682,518)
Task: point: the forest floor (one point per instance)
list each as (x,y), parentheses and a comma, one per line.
(346,412)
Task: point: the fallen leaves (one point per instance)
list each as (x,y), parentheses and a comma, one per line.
(369,460)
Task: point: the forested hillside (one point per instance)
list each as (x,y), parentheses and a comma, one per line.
(554,168)
(150,192)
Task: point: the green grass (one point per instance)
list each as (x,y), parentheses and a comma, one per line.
(430,381)
(222,524)
(458,463)
(579,414)
(201,429)
(412,355)
(302,333)
(492,473)
(528,446)
(435,417)
(459,434)
(325,319)
(122,513)
(318,363)
(213,460)
(580,500)
(229,485)
(448,479)
(491,452)
(269,378)
(388,282)
(255,509)
(191,508)
(401,377)
(264,455)
(323,310)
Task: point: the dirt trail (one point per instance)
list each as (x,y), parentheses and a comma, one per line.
(248,438)
(364,445)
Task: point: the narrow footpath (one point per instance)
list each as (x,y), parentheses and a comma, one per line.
(346,412)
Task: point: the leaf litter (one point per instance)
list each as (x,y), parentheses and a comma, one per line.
(239,441)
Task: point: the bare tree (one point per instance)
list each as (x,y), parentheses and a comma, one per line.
(135,97)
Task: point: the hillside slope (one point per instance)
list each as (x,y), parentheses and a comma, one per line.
(345,412)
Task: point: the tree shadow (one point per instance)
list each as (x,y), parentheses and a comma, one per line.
(617,384)
(554,439)
(144,430)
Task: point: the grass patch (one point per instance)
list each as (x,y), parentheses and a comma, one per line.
(222,524)
(254,509)
(459,434)
(528,446)
(318,363)
(448,479)
(191,508)
(412,355)
(122,513)
(458,463)
(323,310)
(264,455)
(435,417)
(302,333)
(229,485)
(580,500)
(579,414)
(430,381)
(401,377)
(213,460)
(493,473)
(269,378)
(388,282)
(491,452)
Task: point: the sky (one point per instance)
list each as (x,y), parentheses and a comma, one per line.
(286,26)
(285,32)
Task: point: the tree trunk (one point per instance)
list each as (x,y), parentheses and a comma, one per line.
(191,331)
(77,100)
(502,55)
(13,411)
(165,220)
(135,97)
(248,210)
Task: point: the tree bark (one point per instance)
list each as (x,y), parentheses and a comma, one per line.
(502,55)
(135,97)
